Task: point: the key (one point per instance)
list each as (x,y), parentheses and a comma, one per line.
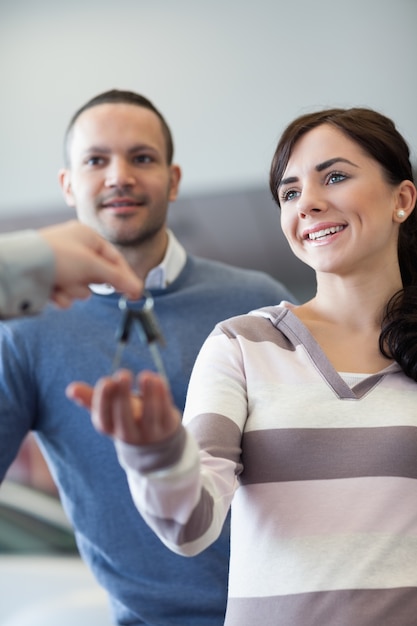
(148,330)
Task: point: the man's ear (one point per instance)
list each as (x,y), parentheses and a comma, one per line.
(174,183)
(64,178)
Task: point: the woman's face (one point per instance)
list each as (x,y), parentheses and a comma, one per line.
(338,213)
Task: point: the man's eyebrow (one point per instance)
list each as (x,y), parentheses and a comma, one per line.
(142,146)
(105,150)
(96,149)
(319,168)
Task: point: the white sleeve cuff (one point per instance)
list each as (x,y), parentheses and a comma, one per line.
(27,267)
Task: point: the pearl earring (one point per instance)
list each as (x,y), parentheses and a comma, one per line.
(401,214)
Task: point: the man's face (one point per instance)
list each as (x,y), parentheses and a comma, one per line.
(118,179)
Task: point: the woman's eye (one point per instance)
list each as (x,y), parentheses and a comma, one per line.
(289,194)
(335,177)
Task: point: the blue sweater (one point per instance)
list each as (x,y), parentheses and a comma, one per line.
(40,356)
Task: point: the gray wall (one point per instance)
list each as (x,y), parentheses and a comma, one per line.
(228,75)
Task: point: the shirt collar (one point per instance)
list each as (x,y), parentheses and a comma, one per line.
(161,276)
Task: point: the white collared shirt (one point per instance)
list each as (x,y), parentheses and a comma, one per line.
(163,274)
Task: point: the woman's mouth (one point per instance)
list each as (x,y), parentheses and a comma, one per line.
(324,232)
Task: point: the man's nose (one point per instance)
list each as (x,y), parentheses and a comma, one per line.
(120,174)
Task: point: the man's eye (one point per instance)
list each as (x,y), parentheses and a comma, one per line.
(142,158)
(95,161)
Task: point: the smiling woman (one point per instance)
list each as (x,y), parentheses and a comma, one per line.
(296,414)
(337,202)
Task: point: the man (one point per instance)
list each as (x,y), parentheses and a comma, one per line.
(120,178)
(57,263)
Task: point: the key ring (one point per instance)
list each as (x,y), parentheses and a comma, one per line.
(148,329)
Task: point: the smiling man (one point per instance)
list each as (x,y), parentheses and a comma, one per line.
(120,178)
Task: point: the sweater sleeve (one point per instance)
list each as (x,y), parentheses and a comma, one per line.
(26,273)
(183,488)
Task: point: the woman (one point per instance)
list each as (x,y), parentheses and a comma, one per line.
(305,416)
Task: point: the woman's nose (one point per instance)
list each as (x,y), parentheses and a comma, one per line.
(310,201)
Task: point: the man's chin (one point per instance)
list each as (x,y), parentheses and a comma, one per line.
(119,235)
(129,240)
(124,233)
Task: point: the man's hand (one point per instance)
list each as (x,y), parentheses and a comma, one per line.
(82,257)
(142,419)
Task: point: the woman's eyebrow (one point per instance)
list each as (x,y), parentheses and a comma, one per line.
(319,168)
(287,181)
(322,166)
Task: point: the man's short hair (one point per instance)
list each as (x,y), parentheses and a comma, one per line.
(116,96)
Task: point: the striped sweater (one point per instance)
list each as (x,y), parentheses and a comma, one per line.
(321,479)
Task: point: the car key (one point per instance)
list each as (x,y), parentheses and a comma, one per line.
(148,330)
